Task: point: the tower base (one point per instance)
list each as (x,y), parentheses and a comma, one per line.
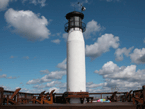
(75,97)
(74,100)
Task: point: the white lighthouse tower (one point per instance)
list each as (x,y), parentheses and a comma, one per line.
(76,72)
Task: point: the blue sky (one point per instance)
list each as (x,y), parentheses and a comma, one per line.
(33,44)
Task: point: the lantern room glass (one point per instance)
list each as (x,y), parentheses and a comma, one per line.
(75,21)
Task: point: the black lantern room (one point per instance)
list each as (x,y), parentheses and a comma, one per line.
(75,21)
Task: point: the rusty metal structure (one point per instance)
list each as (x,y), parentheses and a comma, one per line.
(113,98)
(80,95)
(16,99)
(127,97)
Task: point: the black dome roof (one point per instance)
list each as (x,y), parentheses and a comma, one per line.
(74,13)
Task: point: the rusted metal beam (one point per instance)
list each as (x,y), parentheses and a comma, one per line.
(7,91)
(101,95)
(61,93)
(115,105)
(143,87)
(127,96)
(139,98)
(113,98)
(12,99)
(1,95)
(108,93)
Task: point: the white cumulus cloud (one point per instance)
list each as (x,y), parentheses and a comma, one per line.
(3,4)
(91,28)
(56,75)
(39,86)
(62,65)
(53,83)
(125,77)
(34,81)
(57,90)
(35,2)
(111,70)
(47,78)
(5,87)
(119,53)
(12,77)
(62,85)
(44,71)
(102,45)
(28,24)
(3,76)
(58,84)
(65,35)
(56,41)
(144,40)
(92,85)
(138,56)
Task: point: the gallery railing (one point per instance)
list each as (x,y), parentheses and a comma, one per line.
(137,96)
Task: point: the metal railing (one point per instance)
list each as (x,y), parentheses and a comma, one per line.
(81,25)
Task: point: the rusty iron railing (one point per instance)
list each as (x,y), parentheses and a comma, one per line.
(137,96)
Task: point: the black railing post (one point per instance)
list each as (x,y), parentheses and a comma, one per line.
(143,88)
(1,93)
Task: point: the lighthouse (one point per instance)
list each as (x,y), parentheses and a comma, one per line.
(76,71)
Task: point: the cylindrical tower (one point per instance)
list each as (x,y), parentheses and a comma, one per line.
(76,72)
